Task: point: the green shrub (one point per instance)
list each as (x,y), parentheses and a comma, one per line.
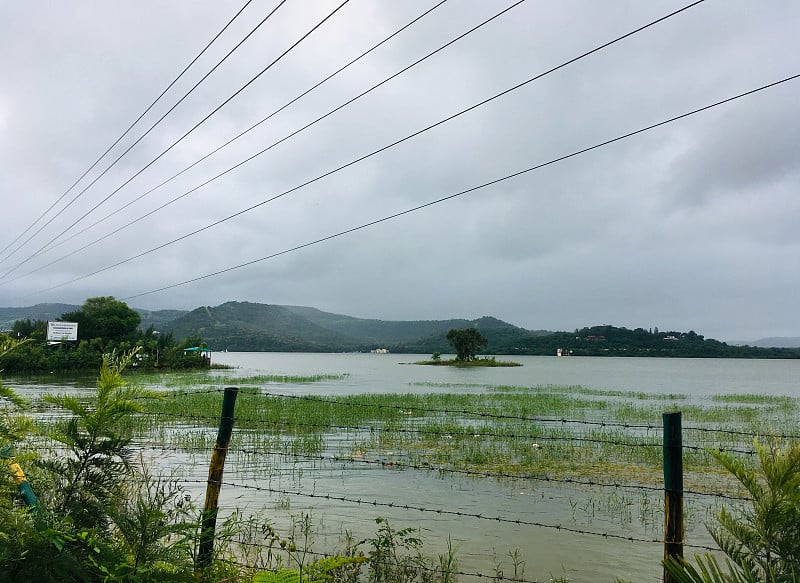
(762,542)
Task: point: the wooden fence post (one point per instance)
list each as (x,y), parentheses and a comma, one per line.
(209,517)
(673,489)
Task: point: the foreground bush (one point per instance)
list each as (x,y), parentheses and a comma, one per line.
(99,516)
(762,542)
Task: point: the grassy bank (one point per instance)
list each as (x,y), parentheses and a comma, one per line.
(488,362)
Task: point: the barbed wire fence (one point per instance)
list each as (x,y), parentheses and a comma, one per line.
(259,461)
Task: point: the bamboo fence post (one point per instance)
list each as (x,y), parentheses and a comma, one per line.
(209,516)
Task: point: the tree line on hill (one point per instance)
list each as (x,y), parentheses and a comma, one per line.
(616,341)
(248,326)
(603,341)
(105,325)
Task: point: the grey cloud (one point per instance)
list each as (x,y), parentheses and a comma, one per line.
(689,226)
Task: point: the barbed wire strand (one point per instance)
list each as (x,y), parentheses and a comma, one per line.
(438,511)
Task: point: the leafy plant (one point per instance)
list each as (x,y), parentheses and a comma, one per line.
(155,527)
(762,542)
(296,549)
(395,555)
(316,572)
(708,570)
(96,440)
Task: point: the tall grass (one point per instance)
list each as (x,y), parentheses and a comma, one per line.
(507,430)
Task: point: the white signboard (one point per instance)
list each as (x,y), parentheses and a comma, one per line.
(62,331)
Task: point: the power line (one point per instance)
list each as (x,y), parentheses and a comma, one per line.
(260,152)
(364,157)
(130,127)
(7,273)
(237,136)
(428,204)
(175,143)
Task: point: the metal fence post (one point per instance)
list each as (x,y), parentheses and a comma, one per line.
(209,517)
(673,489)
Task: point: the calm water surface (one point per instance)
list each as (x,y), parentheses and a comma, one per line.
(387,373)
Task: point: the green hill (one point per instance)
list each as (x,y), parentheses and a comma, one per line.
(246,326)
(386,332)
(260,327)
(158,318)
(615,341)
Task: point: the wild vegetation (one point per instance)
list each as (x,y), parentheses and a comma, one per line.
(433,431)
(103,515)
(99,516)
(761,543)
(490,361)
(430,430)
(104,325)
(99,513)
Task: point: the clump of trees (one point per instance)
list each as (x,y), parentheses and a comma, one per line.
(105,324)
(466,342)
(106,318)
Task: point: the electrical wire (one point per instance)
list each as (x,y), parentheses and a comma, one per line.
(373,153)
(422,206)
(130,127)
(262,151)
(226,144)
(176,142)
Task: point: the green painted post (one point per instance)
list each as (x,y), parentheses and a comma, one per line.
(673,489)
(209,524)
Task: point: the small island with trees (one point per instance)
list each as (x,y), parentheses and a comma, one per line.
(467,343)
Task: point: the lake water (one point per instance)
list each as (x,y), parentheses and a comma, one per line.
(480,543)
(387,372)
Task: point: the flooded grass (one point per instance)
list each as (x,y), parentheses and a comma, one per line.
(480,447)
(565,432)
(212,378)
(777,400)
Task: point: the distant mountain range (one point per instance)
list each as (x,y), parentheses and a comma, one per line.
(246,326)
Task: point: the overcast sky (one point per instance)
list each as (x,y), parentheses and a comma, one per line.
(693,225)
